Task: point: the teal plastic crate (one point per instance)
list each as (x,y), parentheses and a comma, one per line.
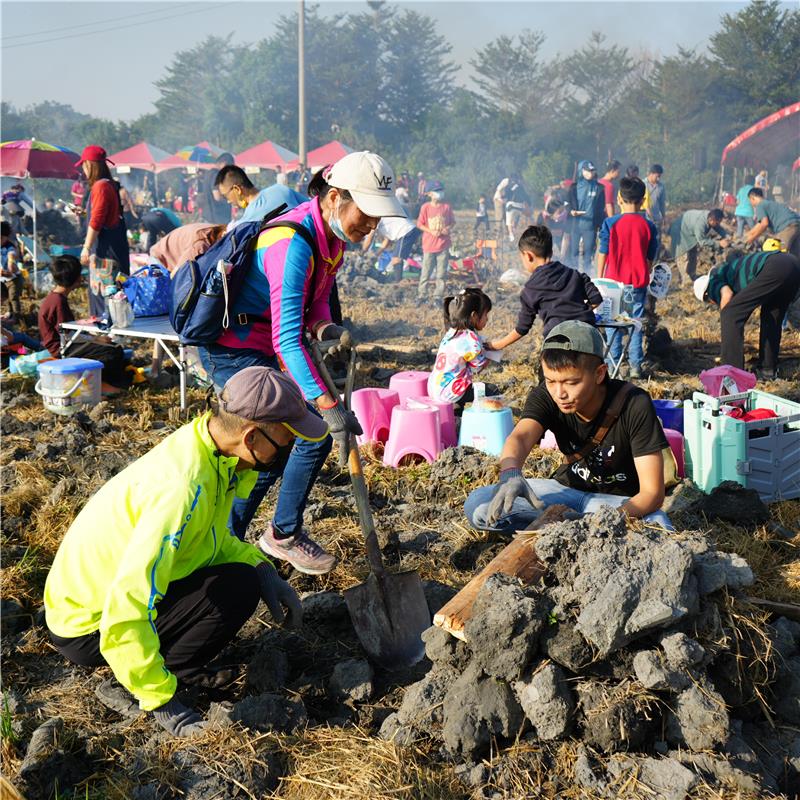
(763,455)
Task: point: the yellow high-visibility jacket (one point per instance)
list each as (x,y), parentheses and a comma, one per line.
(159,520)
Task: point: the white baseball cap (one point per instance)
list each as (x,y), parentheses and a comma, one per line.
(700,286)
(370,181)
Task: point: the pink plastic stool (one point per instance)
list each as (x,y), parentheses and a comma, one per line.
(675,441)
(409,384)
(712,380)
(413,431)
(447,418)
(548,441)
(373,409)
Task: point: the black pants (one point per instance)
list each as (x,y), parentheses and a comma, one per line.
(773,290)
(335,305)
(197,617)
(156,223)
(481,223)
(112,357)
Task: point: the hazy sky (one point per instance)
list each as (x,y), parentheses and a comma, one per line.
(102,58)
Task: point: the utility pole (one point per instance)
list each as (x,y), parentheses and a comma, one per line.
(301,83)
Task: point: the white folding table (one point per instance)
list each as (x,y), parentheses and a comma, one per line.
(624,330)
(155,328)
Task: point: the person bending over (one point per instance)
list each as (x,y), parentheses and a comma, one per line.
(577,401)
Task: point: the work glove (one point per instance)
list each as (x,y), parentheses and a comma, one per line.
(336,333)
(512,485)
(342,425)
(178,720)
(277,594)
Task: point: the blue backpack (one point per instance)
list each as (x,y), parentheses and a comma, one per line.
(202,295)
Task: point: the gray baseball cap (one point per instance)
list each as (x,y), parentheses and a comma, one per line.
(263,394)
(580,337)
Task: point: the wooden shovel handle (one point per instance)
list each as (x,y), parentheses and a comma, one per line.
(360,492)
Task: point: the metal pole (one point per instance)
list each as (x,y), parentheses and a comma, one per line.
(301,83)
(35,248)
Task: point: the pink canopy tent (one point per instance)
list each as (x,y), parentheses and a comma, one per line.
(200,156)
(141,156)
(327,154)
(266,155)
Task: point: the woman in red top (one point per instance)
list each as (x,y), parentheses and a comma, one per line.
(106,232)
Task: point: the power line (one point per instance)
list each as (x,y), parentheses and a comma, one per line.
(116,27)
(86,24)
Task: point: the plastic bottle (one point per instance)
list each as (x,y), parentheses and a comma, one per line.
(479,392)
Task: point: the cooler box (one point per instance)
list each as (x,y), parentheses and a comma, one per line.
(611,292)
(763,455)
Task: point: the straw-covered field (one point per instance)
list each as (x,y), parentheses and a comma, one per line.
(51,466)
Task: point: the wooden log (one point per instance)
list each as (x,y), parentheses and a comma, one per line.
(790,610)
(517,559)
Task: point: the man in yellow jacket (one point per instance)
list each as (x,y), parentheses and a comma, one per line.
(149,579)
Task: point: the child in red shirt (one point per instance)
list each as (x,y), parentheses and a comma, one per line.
(628,247)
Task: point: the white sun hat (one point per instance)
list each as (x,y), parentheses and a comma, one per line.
(700,287)
(370,181)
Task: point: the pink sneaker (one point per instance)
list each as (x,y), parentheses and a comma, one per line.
(300,550)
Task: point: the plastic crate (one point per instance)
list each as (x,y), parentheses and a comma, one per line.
(763,455)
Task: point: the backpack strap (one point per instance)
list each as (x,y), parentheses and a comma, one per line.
(612,414)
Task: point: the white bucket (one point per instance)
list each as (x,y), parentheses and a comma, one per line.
(611,292)
(66,384)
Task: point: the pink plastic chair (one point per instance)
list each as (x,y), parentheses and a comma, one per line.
(548,441)
(675,441)
(413,431)
(447,418)
(409,384)
(712,380)
(373,409)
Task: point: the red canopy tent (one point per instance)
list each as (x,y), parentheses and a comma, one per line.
(266,155)
(774,139)
(327,154)
(141,156)
(771,139)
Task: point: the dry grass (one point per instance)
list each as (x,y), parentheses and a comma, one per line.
(340,764)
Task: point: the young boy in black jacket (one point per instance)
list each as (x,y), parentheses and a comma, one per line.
(554,292)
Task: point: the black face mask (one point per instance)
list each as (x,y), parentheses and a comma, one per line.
(278,462)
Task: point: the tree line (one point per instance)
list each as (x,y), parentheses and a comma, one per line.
(383,79)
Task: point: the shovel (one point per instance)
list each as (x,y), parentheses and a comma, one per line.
(389,611)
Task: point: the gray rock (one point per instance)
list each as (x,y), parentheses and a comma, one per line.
(443,648)
(268,670)
(503,631)
(321,609)
(547,701)
(667,777)
(698,719)
(715,570)
(421,709)
(786,690)
(786,636)
(623,583)
(650,670)
(352,679)
(270,712)
(731,502)
(719,769)
(681,651)
(564,645)
(477,708)
(584,774)
(393,730)
(612,721)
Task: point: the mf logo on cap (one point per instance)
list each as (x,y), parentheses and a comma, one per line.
(384,182)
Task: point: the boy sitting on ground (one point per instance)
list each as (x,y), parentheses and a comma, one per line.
(66,272)
(608,431)
(554,292)
(628,247)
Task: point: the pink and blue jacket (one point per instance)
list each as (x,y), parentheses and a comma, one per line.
(285,293)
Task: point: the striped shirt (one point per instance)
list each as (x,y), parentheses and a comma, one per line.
(736,273)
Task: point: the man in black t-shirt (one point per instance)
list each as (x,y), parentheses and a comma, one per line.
(626,469)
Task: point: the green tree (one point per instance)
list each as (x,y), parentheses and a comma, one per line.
(756,50)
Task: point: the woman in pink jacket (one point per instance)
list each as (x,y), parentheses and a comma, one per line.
(284,297)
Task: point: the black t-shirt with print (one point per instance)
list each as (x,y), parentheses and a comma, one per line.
(609,468)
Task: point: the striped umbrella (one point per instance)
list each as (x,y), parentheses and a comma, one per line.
(30,158)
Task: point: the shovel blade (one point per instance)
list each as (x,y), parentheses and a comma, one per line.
(389,614)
